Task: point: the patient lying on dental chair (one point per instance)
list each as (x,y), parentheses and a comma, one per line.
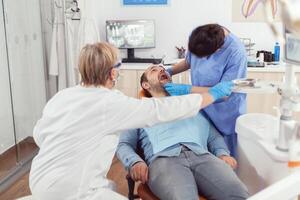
(182,158)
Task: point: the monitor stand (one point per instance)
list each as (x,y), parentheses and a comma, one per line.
(132,59)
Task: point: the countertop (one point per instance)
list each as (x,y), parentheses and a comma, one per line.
(267,68)
(272,68)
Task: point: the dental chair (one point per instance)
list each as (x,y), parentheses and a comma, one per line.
(143,191)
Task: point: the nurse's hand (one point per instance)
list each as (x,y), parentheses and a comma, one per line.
(177,89)
(221,90)
(229,160)
(139,172)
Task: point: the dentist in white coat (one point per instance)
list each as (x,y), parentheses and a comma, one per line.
(78,132)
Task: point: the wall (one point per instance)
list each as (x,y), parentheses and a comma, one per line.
(26,64)
(175,21)
(6,120)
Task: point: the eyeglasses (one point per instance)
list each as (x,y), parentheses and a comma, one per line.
(117,65)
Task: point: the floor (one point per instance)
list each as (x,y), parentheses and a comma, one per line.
(8,159)
(19,189)
(116,173)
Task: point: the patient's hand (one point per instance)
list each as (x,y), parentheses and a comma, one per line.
(139,172)
(229,160)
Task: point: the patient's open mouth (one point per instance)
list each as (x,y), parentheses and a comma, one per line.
(163,76)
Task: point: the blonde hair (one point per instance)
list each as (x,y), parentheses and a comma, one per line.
(96,62)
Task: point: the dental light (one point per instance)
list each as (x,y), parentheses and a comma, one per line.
(290,15)
(289,91)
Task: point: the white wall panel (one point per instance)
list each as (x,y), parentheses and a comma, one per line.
(26,63)
(6,120)
(175,22)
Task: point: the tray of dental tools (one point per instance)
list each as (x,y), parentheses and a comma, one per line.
(250,85)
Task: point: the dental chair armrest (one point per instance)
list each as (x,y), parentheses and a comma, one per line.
(145,193)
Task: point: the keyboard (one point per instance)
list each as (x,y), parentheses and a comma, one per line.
(142,60)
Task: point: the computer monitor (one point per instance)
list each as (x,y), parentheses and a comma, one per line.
(292,48)
(131,34)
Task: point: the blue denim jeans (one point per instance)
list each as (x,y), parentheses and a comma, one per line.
(187,175)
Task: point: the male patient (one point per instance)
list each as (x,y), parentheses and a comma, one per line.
(183,158)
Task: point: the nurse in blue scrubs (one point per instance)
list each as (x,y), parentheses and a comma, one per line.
(215,55)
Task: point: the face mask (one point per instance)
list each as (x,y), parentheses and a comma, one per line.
(117,67)
(115,80)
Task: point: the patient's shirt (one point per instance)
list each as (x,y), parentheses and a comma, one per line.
(193,130)
(166,140)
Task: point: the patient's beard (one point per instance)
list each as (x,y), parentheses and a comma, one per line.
(158,90)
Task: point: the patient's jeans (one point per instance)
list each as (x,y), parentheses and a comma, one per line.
(183,177)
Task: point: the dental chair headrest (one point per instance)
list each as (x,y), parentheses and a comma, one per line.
(143,94)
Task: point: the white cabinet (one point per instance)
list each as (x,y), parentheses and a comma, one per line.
(139,74)
(129,81)
(265,103)
(129,84)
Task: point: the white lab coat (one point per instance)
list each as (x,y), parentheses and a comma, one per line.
(88,32)
(57,63)
(78,135)
(73,53)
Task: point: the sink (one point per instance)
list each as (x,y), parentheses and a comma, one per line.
(260,163)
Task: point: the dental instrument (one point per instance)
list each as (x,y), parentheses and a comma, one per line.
(250,85)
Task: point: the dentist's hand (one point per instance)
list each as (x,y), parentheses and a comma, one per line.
(169,71)
(139,172)
(221,90)
(177,89)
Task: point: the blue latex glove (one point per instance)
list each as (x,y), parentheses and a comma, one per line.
(221,90)
(169,71)
(177,89)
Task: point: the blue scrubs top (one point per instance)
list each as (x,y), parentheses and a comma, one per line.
(227,63)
